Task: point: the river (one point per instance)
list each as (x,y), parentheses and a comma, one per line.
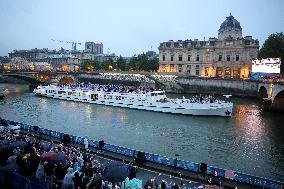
(251,141)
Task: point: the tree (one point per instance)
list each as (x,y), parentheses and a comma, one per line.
(121,63)
(143,62)
(109,64)
(87,65)
(273,47)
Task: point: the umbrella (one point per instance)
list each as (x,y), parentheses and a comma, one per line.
(198,185)
(18,144)
(116,172)
(49,156)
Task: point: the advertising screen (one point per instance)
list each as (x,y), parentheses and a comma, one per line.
(268,65)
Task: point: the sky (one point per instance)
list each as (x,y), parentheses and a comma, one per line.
(128,27)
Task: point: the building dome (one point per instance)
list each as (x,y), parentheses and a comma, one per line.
(230,28)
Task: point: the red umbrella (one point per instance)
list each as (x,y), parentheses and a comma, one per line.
(49,156)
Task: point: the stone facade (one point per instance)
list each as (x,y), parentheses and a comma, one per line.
(228,56)
(94,48)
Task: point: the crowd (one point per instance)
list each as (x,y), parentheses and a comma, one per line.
(110,88)
(127,77)
(165,78)
(67,167)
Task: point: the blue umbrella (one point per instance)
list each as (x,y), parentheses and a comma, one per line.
(116,172)
(17,144)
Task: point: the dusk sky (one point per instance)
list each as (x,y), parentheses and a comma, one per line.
(128,27)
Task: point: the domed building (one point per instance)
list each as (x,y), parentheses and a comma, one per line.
(229,55)
(230,28)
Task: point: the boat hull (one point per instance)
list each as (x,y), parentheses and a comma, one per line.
(224,110)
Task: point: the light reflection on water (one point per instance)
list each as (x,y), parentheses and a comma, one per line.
(250,141)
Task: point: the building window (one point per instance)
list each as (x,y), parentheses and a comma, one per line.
(164,57)
(197,67)
(237,57)
(180,58)
(220,57)
(179,67)
(197,57)
(196,72)
(227,72)
(219,71)
(188,58)
(172,58)
(228,58)
(206,71)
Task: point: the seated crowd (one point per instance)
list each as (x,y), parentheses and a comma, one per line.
(110,88)
(67,167)
(165,78)
(127,77)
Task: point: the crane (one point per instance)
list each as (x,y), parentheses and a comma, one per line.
(74,44)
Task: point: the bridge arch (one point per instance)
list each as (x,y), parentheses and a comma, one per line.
(33,79)
(278,101)
(262,92)
(65,79)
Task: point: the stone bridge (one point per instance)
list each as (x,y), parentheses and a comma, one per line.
(39,78)
(272,94)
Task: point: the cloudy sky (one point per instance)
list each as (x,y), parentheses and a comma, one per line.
(129,27)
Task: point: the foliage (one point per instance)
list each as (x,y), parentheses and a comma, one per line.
(273,47)
(143,63)
(87,65)
(136,63)
(121,63)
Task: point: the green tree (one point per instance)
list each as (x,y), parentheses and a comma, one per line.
(98,65)
(273,47)
(121,63)
(87,65)
(154,64)
(133,64)
(109,64)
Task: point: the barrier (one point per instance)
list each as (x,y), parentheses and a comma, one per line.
(155,158)
(14,180)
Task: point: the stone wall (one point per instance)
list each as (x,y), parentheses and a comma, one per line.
(219,86)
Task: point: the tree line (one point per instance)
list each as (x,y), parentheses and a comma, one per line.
(273,47)
(140,62)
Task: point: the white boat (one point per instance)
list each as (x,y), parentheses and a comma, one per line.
(151,100)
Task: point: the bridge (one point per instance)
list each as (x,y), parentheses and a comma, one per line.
(272,94)
(43,78)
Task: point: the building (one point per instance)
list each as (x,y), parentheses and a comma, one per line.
(151,55)
(94,48)
(228,56)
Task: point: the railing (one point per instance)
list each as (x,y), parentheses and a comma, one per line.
(14,180)
(159,159)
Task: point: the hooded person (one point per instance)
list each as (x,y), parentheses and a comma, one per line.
(68,180)
(40,173)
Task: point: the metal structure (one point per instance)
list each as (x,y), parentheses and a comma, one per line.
(74,44)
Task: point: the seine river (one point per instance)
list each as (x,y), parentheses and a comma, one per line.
(251,141)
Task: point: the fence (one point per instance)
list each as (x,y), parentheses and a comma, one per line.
(159,159)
